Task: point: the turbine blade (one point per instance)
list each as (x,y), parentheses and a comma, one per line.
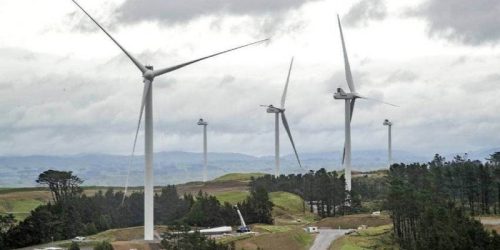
(147,85)
(379,101)
(343,155)
(348,74)
(287,128)
(283,97)
(353,102)
(135,61)
(173,68)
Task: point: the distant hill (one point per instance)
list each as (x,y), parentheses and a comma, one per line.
(481,155)
(181,167)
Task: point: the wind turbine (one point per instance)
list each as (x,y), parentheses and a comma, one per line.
(277,112)
(389,125)
(203,123)
(148,74)
(350,100)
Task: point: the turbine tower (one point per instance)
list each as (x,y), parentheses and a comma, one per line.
(148,74)
(389,125)
(350,100)
(277,112)
(203,123)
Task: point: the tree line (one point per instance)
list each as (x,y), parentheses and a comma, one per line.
(72,213)
(324,192)
(432,204)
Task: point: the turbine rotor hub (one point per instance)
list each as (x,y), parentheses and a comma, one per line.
(149,74)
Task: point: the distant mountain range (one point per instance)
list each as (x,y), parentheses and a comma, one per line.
(181,167)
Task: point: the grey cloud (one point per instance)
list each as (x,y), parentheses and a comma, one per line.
(402,76)
(268,15)
(78,22)
(460,61)
(338,80)
(228,79)
(489,83)
(463,21)
(182,11)
(364,11)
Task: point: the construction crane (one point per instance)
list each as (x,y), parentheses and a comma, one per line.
(243,228)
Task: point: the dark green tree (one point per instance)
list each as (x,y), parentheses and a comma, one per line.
(62,184)
(257,207)
(104,245)
(74,246)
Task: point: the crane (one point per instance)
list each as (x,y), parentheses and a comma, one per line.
(243,228)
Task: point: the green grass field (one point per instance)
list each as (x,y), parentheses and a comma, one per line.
(371,238)
(295,239)
(19,208)
(238,177)
(354,221)
(232,197)
(271,228)
(287,201)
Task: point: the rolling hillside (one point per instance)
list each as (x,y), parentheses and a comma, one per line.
(178,167)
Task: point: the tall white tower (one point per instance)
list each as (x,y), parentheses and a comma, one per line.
(203,123)
(389,157)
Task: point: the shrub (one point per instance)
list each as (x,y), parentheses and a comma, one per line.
(74,246)
(103,246)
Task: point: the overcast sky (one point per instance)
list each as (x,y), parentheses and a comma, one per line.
(65,88)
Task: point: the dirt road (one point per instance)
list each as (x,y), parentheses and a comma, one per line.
(325,238)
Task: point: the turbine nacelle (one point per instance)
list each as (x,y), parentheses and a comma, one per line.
(273,109)
(201,122)
(387,123)
(341,94)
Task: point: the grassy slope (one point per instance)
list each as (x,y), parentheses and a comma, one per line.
(20,202)
(372,238)
(238,177)
(20,208)
(354,221)
(295,239)
(288,202)
(232,197)
(124,234)
(287,232)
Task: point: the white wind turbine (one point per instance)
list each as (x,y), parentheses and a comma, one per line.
(148,74)
(350,100)
(389,156)
(203,123)
(277,112)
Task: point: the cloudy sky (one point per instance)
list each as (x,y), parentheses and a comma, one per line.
(66,89)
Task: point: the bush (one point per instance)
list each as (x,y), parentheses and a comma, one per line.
(74,246)
(104,246)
